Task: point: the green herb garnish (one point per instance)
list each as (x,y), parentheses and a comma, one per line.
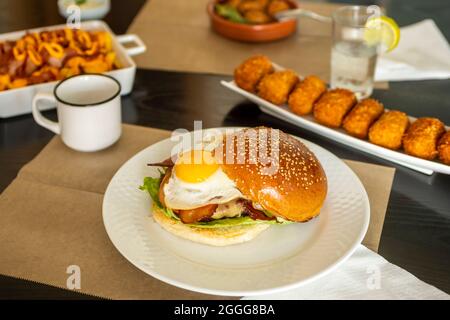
(228,12)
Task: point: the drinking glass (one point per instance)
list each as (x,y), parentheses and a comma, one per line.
(353,60)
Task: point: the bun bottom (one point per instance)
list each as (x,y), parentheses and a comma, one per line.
(214,237)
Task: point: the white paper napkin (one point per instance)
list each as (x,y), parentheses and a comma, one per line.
(365,275)
(422,53)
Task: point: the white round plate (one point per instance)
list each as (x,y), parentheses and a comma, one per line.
(280,258)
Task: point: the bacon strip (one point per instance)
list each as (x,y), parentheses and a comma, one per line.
(255,214)
(197,214)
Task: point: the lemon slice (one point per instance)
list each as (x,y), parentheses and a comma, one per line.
(382,31)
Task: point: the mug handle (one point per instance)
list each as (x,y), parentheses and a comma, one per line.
(39,118)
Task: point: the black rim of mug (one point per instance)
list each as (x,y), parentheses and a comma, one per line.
(87,104)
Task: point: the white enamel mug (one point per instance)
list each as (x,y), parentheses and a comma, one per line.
(89,112)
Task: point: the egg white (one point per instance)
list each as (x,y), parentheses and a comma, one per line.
(216,189)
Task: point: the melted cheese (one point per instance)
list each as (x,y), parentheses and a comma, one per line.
(229,209)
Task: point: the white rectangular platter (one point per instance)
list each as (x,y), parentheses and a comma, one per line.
(15,102)
(308,122)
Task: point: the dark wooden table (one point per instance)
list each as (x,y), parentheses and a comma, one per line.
(416,233)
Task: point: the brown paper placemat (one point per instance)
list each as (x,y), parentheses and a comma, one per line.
(179,38)
(51,218)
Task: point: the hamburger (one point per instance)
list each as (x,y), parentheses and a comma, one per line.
(251,180)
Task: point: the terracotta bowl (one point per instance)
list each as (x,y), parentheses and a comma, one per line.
(251,33)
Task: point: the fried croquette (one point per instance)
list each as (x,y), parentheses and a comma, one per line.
(257,17)
(361,117)
(444,148)
(276,6)
(389,129)
(251,71)
(422,137)
(275,87)
(307,92)
(252,5)
(332,106)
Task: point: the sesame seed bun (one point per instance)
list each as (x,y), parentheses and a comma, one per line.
(290,183)
(214,237)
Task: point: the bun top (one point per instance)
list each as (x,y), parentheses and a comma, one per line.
(274,170)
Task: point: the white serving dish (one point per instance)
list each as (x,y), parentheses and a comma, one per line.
(308,122)
(15,102)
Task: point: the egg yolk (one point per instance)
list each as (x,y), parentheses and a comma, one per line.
(195,166)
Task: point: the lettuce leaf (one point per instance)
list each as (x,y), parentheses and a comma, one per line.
(230,13)
(230,222)
(268,213)
(170,214)
(236,221)
(151,185)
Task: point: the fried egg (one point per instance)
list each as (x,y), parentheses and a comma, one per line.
(198,180)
